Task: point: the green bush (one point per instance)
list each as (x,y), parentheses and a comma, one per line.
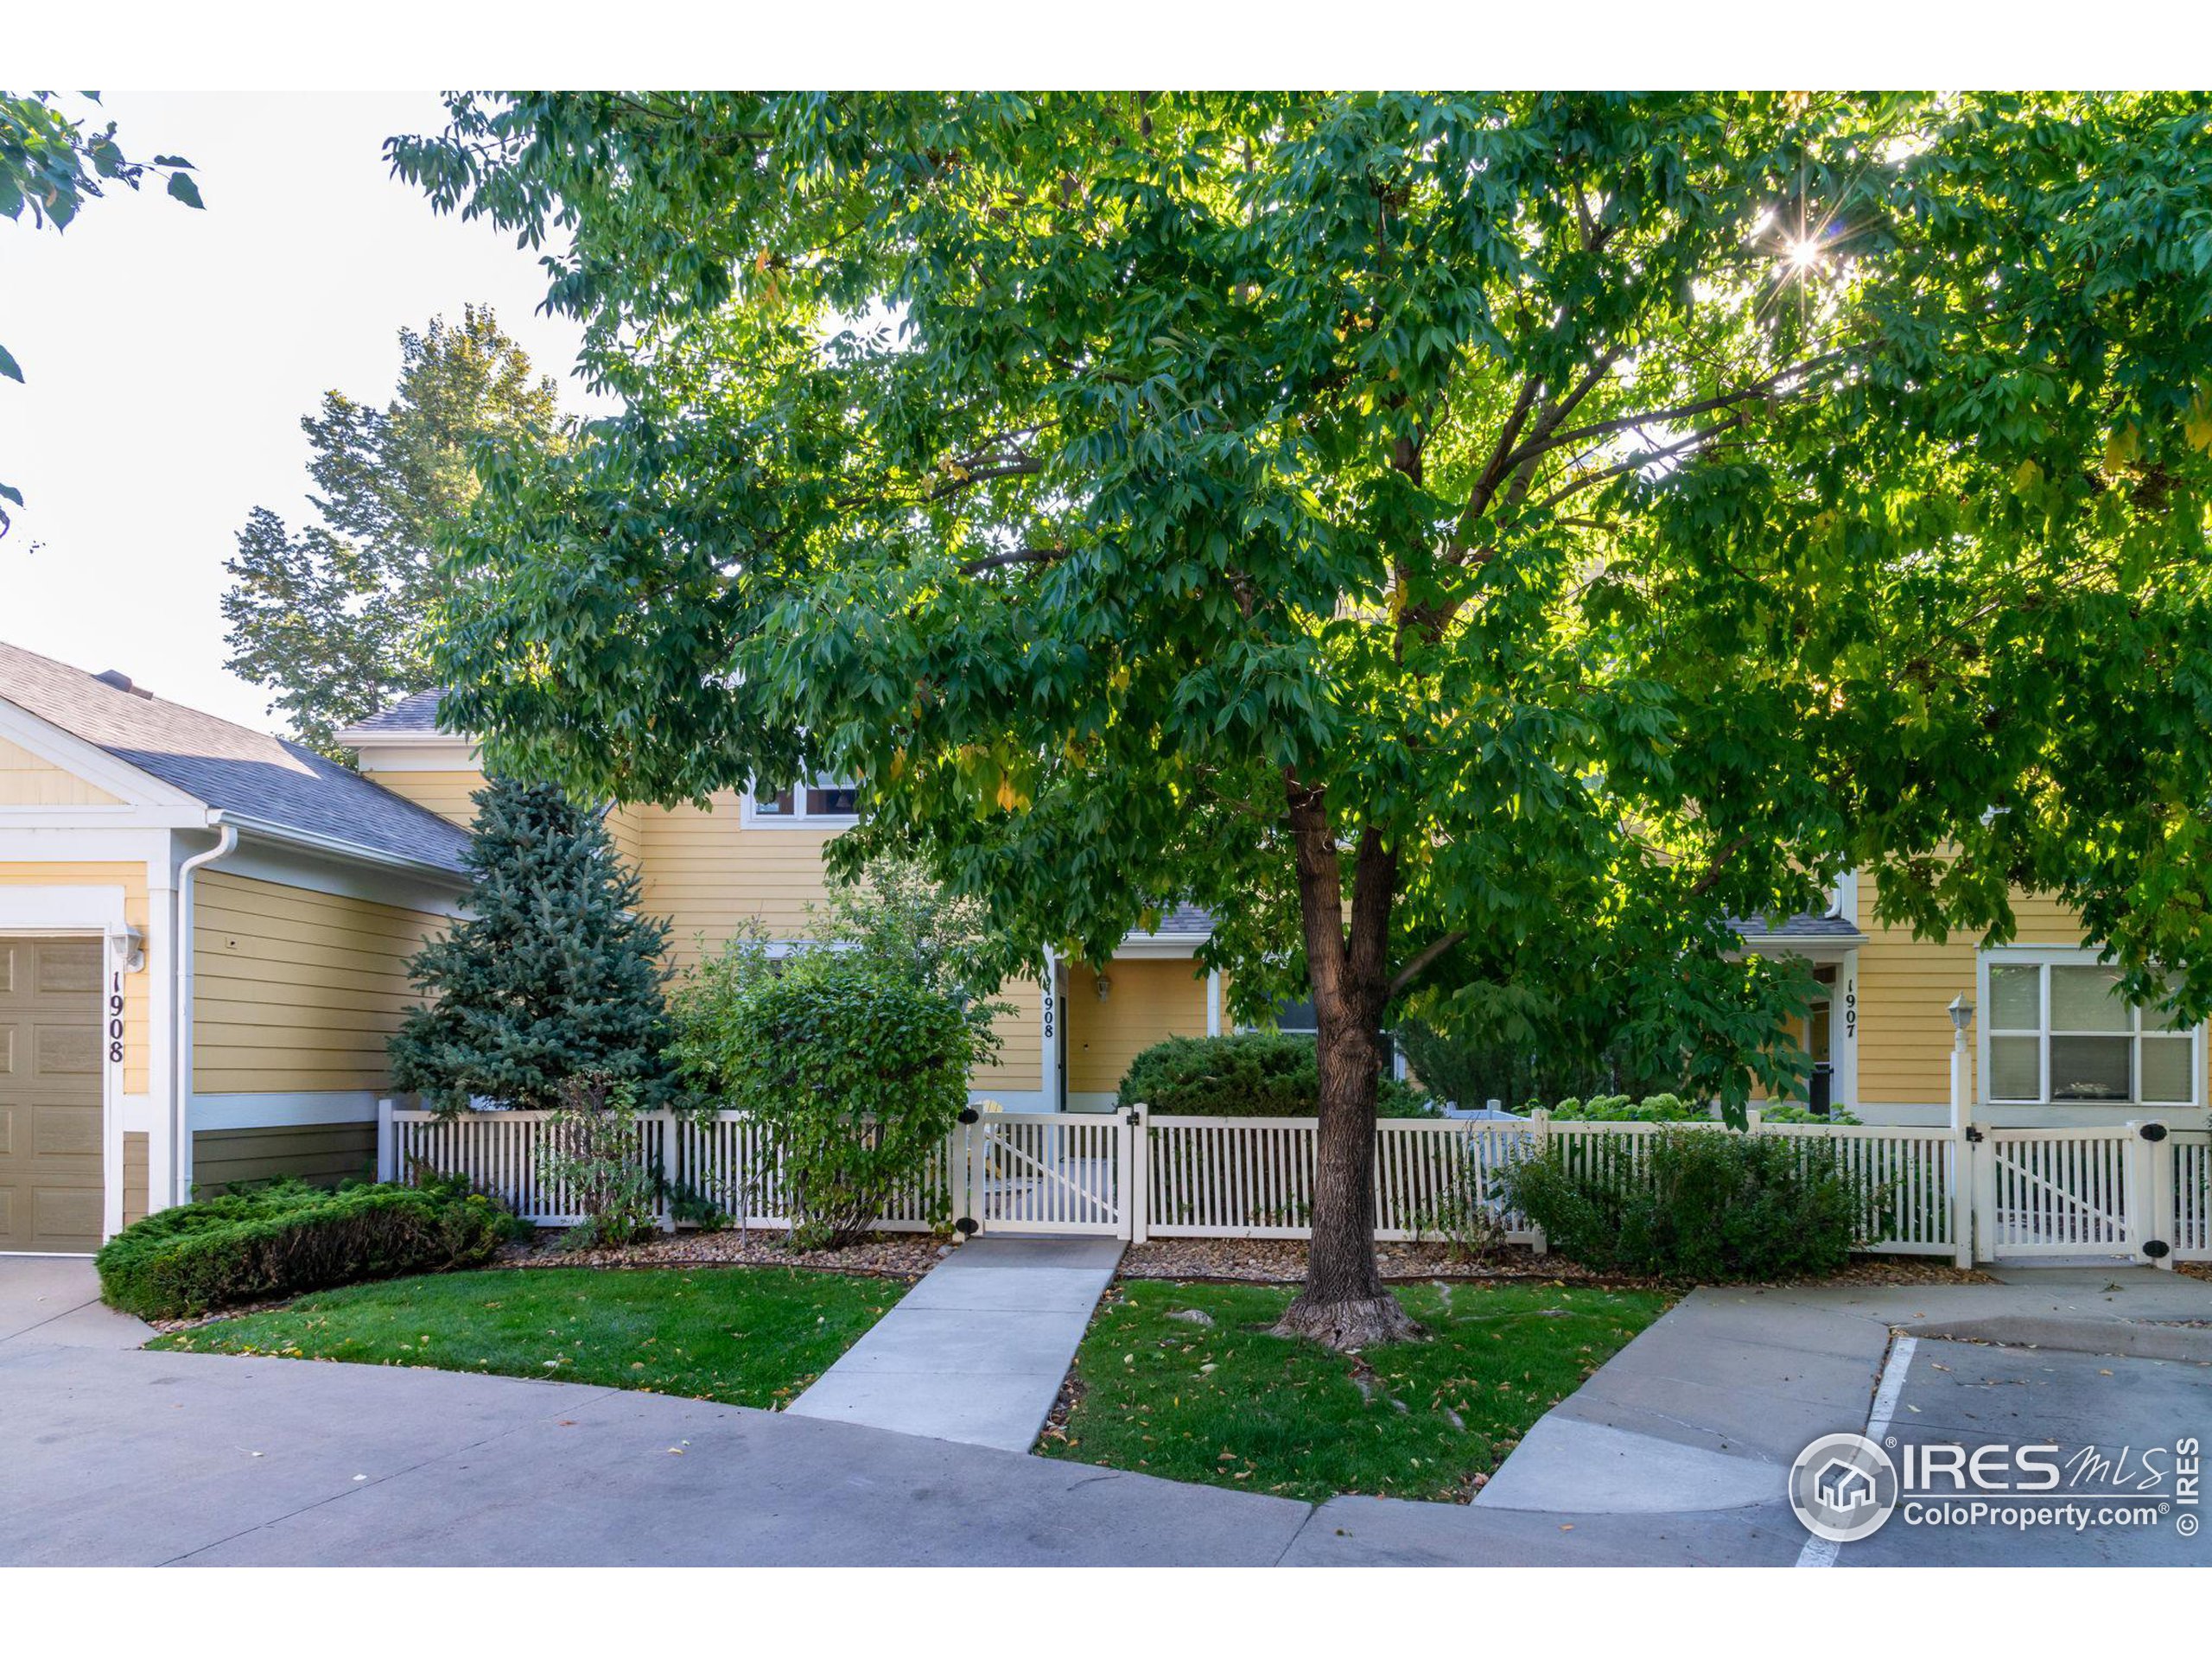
(590,1149)
(1619,1108)
(1707,1204)
(1788,1111)
(1673,1109)
(287,1237)
(1253,1074)
(859,1071)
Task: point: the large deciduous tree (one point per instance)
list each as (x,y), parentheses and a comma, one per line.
(337,620)
(1473,544)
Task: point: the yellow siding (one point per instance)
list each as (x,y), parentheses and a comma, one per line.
(1021,1040)
(1905,988)
(1148,1001)
(136,1181)
(322,1154)
(706,873)
(625,828)
(26,780)
(131,878)
(446,793)
(296,990)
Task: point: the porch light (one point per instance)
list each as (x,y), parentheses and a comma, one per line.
(1105,985)
(1961,1013)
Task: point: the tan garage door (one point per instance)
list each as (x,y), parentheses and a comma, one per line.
(50,1187)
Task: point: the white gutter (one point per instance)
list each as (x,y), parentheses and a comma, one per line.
(180,1021)
(337,846)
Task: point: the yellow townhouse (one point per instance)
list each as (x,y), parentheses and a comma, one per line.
(204,934)
(1072,1035)
(2049,1044)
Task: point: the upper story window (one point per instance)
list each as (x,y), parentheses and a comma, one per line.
(2058,1031)
(826,800)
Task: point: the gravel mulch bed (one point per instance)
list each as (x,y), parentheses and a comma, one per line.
(882,1255)
(1282,1260)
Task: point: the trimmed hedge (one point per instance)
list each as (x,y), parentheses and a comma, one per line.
(287,1237)
(1253,1074)
(1673,1109)
(1704,1203)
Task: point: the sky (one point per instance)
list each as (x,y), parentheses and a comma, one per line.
(168,355)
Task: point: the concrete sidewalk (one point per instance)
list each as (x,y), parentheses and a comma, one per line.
(976,1352)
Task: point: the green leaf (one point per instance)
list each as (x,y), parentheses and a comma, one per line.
(182,187)
(9,366)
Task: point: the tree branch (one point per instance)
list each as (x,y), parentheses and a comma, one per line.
(1638,462)
(1678,412)
(1412,970)
(1020,556)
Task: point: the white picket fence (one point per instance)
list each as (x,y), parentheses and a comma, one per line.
(2124,1189)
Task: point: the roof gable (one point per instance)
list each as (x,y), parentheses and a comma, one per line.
(243,774)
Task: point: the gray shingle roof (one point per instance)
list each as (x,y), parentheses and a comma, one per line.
(1186,919)
(1757,930)
(229,767)
(416,714)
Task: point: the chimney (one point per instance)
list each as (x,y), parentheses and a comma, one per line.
(121,681)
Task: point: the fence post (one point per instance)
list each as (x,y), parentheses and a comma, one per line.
(1965,1181)
(2151,1209)
(1542,1119)
(1136,1196)
(670,1174)
(387,1142)
(1753,1119)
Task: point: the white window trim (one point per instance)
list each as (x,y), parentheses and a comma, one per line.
(2024,955)
(751,817)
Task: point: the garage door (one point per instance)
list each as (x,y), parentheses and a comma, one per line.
(50,1179)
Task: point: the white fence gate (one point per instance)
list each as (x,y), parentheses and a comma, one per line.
(2137,1191)
(1049,1172)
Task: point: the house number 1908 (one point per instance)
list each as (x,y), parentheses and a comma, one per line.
(115,1019)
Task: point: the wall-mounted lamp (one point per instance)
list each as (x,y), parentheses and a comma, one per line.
(130,948)
(1105,985)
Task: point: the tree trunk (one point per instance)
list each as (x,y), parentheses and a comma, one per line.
(1343,1304)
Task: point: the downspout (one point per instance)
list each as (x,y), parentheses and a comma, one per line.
(181,1020)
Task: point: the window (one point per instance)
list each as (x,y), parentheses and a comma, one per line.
(2059,1031)
(826,800)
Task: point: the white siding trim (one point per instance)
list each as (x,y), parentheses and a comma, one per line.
(283,1110)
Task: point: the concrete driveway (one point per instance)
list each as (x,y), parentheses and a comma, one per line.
(1696,1422)
(1671,1456)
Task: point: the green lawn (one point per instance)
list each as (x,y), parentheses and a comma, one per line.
(749,1336)
(1232,1406)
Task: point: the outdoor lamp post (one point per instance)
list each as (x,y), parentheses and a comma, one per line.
(1961,1012)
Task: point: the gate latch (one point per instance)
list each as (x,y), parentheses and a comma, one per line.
(1130,1119)
(1974,1134)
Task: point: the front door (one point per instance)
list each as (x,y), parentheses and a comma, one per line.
(52,1183)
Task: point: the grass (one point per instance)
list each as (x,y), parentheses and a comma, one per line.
(747,1336)
(1231,1406)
